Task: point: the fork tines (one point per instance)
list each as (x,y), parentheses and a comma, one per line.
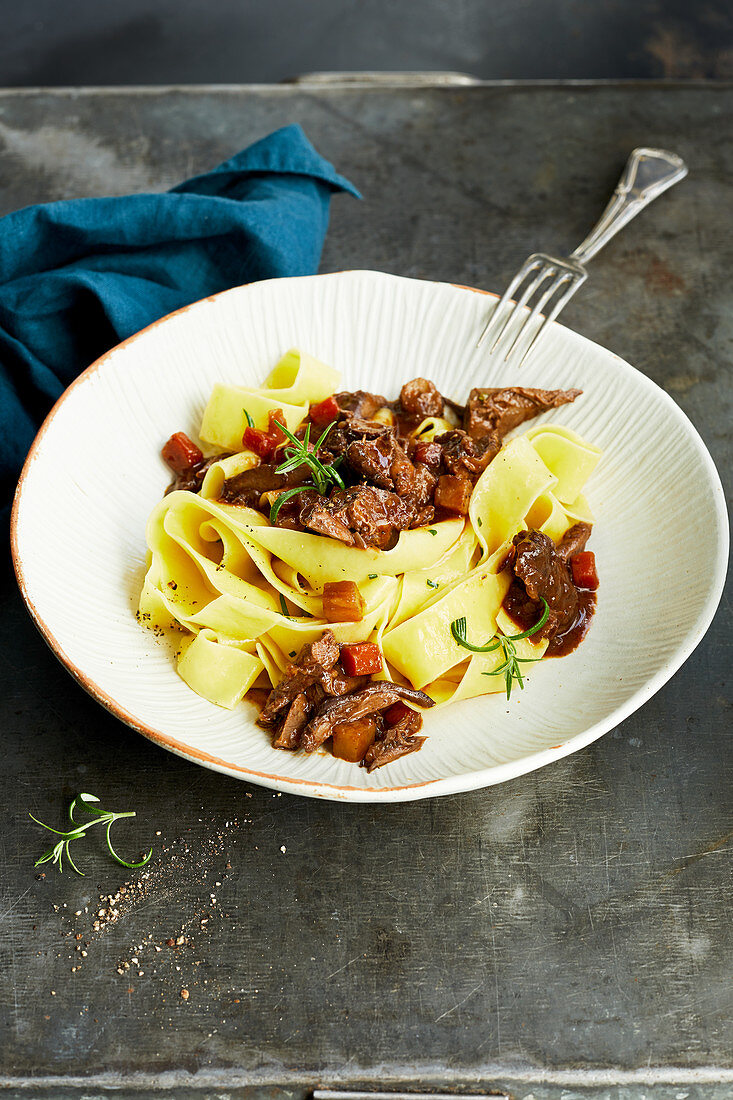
(533,288)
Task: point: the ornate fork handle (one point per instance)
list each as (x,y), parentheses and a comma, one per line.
(647,174)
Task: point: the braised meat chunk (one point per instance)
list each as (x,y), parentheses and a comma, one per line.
(462,456)
(248,487)
(360,516)
(372,459)
(500,410)
(421,398)
(574,541)
(541,572)
(545,575)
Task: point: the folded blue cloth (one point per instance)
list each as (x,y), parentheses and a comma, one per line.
(77,277)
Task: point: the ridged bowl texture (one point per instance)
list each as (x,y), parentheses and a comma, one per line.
(95,472)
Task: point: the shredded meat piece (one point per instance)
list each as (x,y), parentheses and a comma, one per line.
(336,682)
(500,410)
(421,398)
(295,722)
(573,541)
(396,741)
(375,697)
(545,575)
(307,669)
(360,403)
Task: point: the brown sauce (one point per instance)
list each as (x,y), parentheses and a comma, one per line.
(565,643)
(525,613)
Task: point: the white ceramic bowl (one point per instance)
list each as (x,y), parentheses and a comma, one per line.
(94,473)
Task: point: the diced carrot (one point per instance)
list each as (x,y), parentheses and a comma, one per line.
(361,659)
(324,411)
(394,714)
(583,566)
(262,443)
(453,493)
(181,453)
(342,602)
(351,740)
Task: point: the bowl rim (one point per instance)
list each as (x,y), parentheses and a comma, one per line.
(463,782)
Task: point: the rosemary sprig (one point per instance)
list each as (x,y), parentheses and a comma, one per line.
(248,418)
(510,665)
(100,817)
(302,452)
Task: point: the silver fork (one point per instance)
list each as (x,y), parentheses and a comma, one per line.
(647,174)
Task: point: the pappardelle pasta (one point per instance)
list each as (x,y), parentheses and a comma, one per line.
(346,561)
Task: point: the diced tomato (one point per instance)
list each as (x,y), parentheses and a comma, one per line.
(262,443)
(324,411)
(275,418)
(583,566)
(351,740)
(181,453)
(342,602)
(361,659)
(453,493)
(394,714)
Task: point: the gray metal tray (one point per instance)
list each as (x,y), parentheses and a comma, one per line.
(566,934)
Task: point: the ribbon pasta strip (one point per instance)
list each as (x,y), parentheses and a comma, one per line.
(248,595)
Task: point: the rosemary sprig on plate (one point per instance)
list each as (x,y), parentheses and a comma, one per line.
(301,452)
(80,828)
(510,665)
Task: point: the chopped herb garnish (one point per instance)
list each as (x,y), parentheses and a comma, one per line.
(431,584)
(284,606)
(248,418)
(373,576)
(432,531)
(101,817)
(479,521)
(510,665)
(292,653)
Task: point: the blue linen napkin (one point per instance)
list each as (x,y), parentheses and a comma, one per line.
(77,277)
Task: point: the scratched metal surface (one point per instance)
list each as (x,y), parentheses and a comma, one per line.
(566,934)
